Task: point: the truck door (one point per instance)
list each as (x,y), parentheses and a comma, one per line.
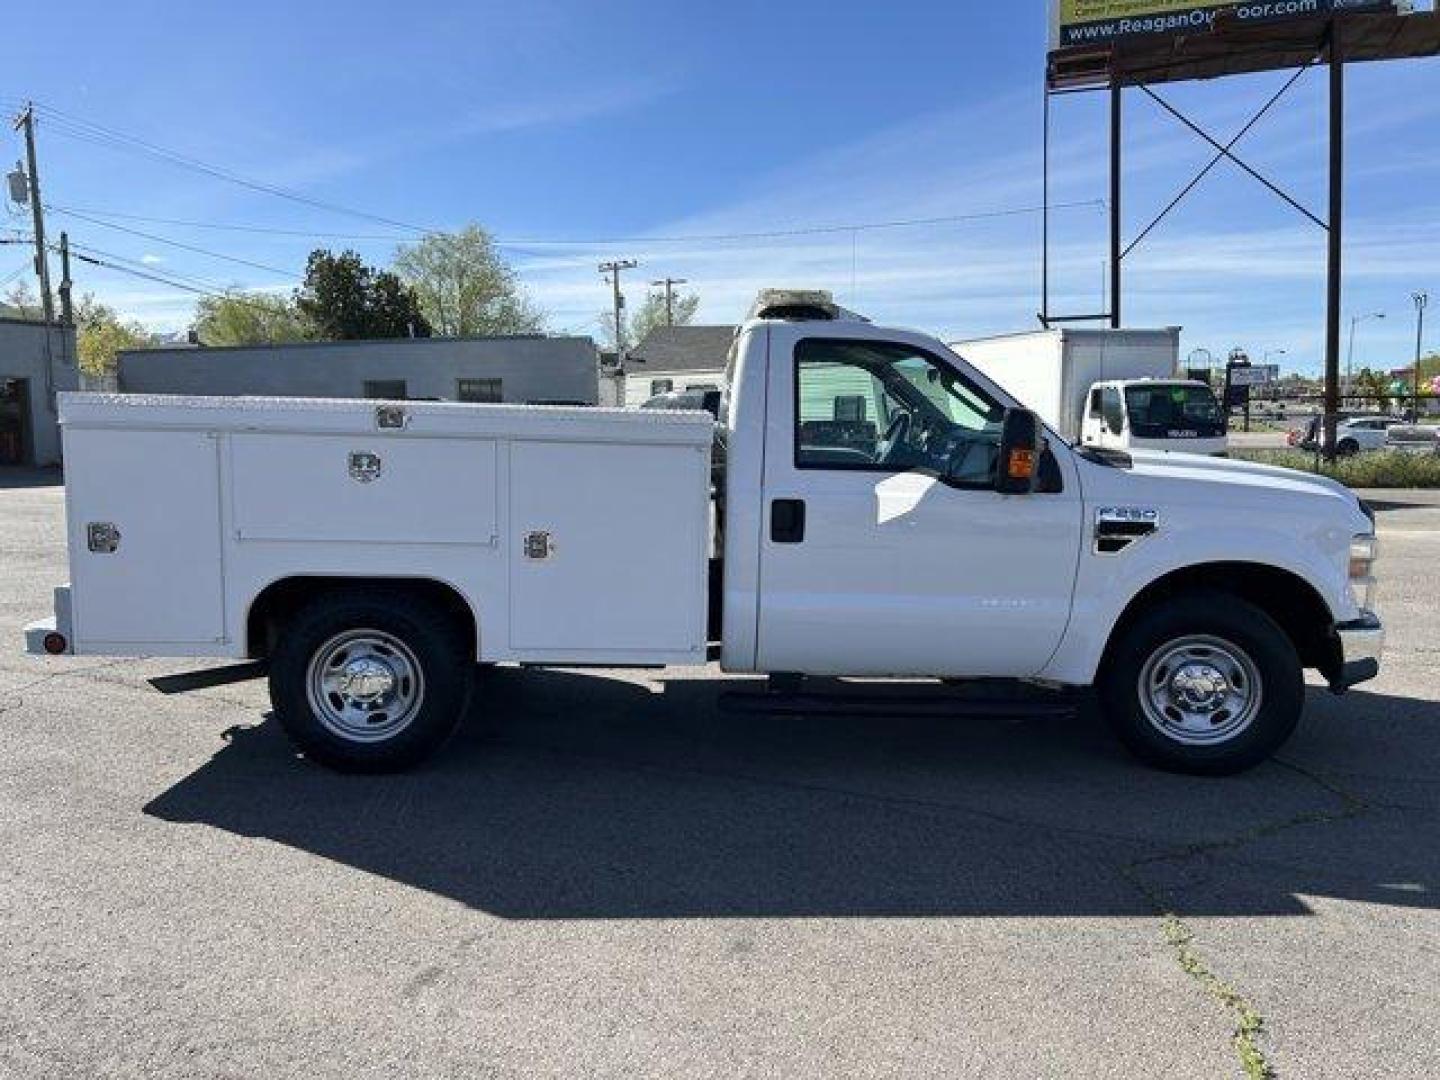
(885,549)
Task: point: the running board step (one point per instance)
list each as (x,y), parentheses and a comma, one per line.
(208,677)
(815,704)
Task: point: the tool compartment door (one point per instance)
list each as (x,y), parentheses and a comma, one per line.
(350,489)
(163,584)
(609,550)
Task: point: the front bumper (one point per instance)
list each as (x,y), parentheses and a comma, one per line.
(1362,641)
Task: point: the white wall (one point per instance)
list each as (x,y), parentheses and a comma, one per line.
(638,385)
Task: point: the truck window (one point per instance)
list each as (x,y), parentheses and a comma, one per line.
(929,418)
(386,389)
(479,390)
(1112,410)
(1156,409)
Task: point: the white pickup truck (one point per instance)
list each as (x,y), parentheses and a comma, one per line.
(884,511)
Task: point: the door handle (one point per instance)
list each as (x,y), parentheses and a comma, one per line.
(787,521)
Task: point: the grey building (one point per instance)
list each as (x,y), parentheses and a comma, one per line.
(676,358)
(525,370)
(36,361)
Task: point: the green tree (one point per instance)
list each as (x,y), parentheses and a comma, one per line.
(22,302)
(101,333)
(344,299)
(250,318)
(1374,385)
(465,287)
(651,314)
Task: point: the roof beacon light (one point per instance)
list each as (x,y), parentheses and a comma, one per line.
(799,305)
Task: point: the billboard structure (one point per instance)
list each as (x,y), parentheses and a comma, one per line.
(1112,45)
(1092,22)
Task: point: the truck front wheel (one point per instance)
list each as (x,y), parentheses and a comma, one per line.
(1203,684)
(369,681)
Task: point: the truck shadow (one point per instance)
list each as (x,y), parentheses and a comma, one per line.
(23,476)
(591,797)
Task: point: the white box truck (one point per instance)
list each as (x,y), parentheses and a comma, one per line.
(886,510)
(1110,389)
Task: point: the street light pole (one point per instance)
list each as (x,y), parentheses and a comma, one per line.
(1421,300)
(1350,352)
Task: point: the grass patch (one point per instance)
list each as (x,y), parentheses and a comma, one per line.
(1381,469)
(1249,1025)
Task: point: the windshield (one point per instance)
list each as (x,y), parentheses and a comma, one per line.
(1170,410)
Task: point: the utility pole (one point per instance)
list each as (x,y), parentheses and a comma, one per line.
(1334,250)
(612,271)
(26,122)
(669,284)
(1421,300)
(67,308)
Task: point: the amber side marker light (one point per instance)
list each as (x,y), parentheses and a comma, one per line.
(55,643)
(1021,465)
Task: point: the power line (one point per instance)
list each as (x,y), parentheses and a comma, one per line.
(812,230)
(72,126)
(172,243)
(146,268)
(773,234)
(93,260)
(21,269)
(225,227)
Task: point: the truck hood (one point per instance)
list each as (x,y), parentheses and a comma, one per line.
(1239,486)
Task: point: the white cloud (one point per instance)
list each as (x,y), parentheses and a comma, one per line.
(1233,265)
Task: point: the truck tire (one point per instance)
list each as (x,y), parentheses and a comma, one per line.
(369,680)
(1347,448)
(1207,685)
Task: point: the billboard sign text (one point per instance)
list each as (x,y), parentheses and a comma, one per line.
(1104,22)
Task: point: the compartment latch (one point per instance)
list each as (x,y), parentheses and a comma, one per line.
(102,537)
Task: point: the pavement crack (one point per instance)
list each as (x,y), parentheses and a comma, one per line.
(1249,1024)
(16,696)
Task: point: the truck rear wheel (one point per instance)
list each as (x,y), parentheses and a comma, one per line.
(1204,685)
(369,681)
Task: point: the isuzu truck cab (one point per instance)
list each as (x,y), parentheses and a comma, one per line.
(1106,389)
(884,511)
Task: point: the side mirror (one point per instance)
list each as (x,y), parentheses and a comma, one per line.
(1018,465)
(1114,417)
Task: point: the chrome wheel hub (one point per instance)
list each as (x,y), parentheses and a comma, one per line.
(365,680)
(1200,690)
(365,685)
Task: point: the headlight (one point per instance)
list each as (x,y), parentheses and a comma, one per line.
(1364,550)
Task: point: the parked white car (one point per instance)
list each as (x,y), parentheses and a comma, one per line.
(1353,434)
(1361,433)
(887,511)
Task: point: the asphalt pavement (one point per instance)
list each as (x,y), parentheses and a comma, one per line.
(603,876)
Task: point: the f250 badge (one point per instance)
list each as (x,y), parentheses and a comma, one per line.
(1117,527)
(1182,434)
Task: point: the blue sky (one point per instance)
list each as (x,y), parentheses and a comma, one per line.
(559,124)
